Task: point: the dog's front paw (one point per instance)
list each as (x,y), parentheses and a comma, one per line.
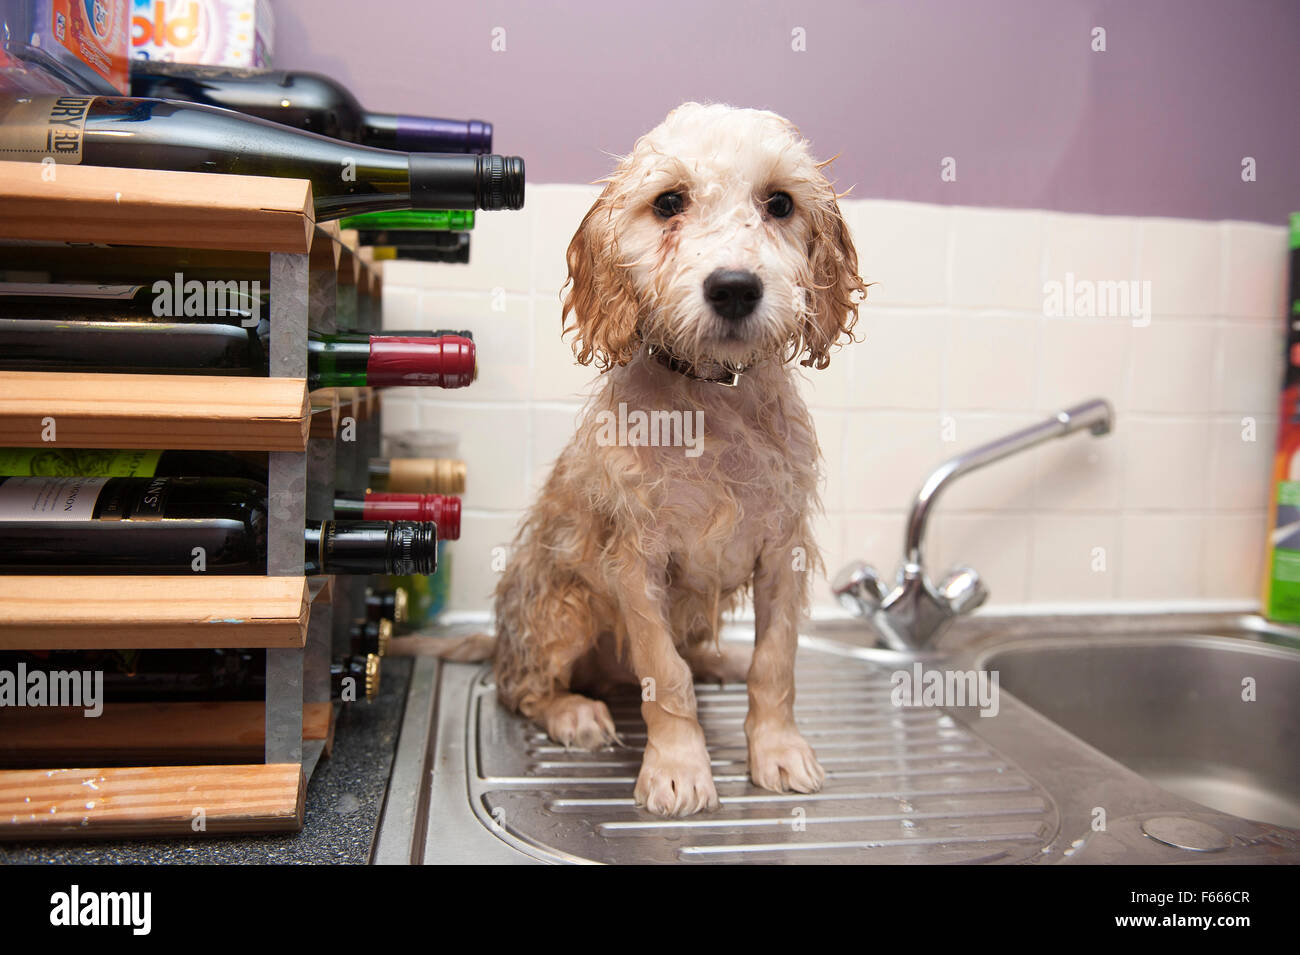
(781,760)
(676,780)
(575,720)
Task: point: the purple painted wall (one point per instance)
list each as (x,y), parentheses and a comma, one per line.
(1157,125)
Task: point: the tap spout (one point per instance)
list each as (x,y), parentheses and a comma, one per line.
(1096,415)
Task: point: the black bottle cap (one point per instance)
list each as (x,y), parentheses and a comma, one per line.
(501,182)
(414,548)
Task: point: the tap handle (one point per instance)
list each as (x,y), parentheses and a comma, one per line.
(962,590)
(859,588)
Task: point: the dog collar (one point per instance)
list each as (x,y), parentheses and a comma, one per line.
(720,374)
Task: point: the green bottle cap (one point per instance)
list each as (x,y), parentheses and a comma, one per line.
(442,220)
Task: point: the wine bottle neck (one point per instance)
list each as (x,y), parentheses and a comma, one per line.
(440,181)
(337,361)
(370,547)
(443,510)
(426,134)
(344,361)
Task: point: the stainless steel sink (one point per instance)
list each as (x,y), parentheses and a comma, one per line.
(1117,739)
(1214,719)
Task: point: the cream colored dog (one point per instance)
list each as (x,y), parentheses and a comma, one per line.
(715,257)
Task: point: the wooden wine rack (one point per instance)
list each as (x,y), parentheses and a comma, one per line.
(155,768)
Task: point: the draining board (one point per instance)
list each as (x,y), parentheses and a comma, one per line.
(903,785)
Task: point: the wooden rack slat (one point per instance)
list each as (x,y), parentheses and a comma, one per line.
(155,207)
(139,612)
(189,412)
(150,800)
(146,733)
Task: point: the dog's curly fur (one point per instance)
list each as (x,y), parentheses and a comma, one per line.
(623,567)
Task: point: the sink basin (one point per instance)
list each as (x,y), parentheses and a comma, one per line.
(1171,708)
(1117,739)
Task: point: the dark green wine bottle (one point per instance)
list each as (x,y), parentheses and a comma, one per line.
(308,101)
(457,254)
(346,178)
(126,346)
(414,238)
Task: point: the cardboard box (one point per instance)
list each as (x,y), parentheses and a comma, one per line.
(84,44)
(233,33)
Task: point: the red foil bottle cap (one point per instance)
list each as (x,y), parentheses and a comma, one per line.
(441,509)
(448,519)
(445,362)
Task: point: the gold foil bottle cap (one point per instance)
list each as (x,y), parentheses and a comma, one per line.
(426,476)
(400,607)
(372,677)
(385,636)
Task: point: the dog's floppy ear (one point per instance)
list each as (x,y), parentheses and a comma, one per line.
(597,295)
(831,308)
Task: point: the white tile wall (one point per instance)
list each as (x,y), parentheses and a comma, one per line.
(957,349)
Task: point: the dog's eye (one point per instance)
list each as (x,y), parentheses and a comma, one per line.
(670,204)
(779,205)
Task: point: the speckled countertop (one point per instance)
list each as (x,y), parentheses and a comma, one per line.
(344,800)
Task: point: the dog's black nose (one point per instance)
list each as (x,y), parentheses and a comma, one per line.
(733,293)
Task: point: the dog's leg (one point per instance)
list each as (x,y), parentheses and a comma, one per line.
(676,778)
(780,758)
(539,643)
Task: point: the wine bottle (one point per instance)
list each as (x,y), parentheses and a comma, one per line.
(157,675)
(346,178)
(414,238)
(418,475)
(371,636)
(125,346)
(92,462)
(85,301)
(98,525)
(232,302)
(435,333)
(184,675)
(387,603)
(381,361)
(441,509)
(307,101)
(459,255)
(137,347)
(418,220)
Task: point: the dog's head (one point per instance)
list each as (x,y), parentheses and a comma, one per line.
(718,238)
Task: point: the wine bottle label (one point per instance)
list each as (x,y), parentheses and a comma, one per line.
(33,128)
(71,462)
(69,289)
(49,498)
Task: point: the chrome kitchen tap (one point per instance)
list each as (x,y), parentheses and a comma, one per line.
(912,614)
